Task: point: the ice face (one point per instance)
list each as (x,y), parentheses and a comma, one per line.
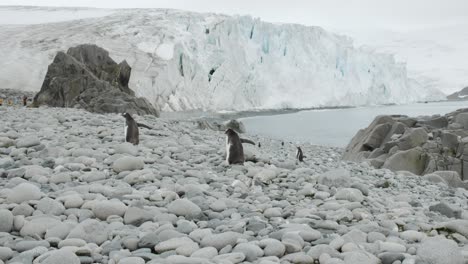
(183,61)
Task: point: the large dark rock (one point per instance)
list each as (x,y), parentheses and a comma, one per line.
(421,145)
(86,77)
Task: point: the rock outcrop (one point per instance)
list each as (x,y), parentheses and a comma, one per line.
(421,145)
(86,77)
(212,124)
(460,95)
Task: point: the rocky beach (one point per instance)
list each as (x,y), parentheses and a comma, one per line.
(73,192)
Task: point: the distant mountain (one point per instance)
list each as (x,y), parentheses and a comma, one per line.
(185,61)
(460,95)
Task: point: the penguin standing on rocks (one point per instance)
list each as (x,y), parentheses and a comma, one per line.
(132,134)
(234,149)
(299,154)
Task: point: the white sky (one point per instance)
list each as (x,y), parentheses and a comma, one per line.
(398,15)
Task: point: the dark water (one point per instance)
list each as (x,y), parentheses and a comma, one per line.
(336,127)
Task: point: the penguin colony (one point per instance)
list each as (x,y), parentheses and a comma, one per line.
(234,149)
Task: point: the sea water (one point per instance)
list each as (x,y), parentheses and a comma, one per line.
(336,127)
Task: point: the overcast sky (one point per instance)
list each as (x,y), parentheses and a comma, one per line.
(388,14)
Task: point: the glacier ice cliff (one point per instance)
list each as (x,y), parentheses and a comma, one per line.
(183,61)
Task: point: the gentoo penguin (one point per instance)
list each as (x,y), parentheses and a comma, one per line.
(132,134)
(234,149)
(299,155)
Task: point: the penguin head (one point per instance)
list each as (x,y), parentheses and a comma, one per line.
(126,115)
(229,131)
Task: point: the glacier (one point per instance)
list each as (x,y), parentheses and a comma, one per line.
(211,62)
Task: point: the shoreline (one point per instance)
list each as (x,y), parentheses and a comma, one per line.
(228,115)
(222,117)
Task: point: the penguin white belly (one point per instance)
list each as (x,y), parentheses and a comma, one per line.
(125,133)
(227,149)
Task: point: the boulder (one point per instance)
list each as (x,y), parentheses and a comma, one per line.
(128,163)
(440,251)
(451,178)
(412,160)
(62,256)
(104,209)
(87,77)
(420,145)
(437,122)
(449,140)
(412,138)
(6,220)
(368,139)
(91,231)
(339,177)
(462,119)
(24,192)
(446,209)
(184,207)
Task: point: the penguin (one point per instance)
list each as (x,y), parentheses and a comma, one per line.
(299,155)
(259,145)
(282,143)
(234,149)
(131,132)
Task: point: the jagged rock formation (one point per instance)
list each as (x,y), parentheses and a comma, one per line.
(421,145)
(460,95)
(86,77)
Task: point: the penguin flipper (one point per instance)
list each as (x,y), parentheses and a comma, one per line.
(243,140)
(143,125)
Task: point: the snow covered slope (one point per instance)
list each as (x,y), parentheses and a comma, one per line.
(183,61)
(435,56)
